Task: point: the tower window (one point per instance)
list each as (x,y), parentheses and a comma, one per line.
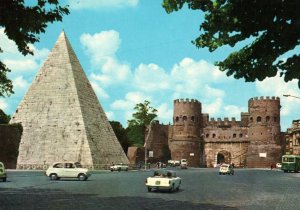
(177,119)
(258,119)
(241,135)
(268,119)
(275,119)
(214,135)
(192,118)
(251,119)
(207,135)
(234,135)
(184,118)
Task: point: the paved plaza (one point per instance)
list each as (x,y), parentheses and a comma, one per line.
(200,189)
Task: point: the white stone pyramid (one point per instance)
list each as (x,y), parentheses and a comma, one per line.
(62,118)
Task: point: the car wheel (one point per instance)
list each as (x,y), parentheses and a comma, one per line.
(177,189)
(111,170)
(4,179)
(82,177)
(119,169)
(149,189)
(53,177)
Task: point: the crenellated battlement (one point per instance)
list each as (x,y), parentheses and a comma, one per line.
(262,98)
(177,101)
(225,122)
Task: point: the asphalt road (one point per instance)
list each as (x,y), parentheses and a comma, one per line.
(200,189)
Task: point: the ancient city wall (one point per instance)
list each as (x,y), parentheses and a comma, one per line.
(10,137)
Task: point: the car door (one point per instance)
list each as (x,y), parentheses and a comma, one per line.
(70,170)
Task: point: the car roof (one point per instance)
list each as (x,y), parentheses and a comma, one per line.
(63,162)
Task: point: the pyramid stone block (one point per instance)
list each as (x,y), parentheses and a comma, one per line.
(62,118)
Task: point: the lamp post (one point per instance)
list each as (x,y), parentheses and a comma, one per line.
(288,95)
(145,145)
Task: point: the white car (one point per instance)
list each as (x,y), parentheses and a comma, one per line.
(183,164)
(67,170)
(119,167)
(278,165)
(226,169)
(163,180)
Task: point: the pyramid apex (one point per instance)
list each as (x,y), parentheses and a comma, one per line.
(62,35)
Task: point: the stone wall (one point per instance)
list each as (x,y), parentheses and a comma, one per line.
(10,136)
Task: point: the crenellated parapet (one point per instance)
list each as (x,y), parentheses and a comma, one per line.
(223,123)
(262,98)
(188,111)
(264,110)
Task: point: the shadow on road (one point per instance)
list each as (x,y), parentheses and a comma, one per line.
(34,198)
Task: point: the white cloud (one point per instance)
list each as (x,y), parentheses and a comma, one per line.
(110,115)
(151,78)
(3,104)
(99,91)
(234,111)
(99,4)
(21,64)
(20,83)
(213,108)
(15,61)
(101,47)
(164,113)
(131,99)
(191,76)
(210,92)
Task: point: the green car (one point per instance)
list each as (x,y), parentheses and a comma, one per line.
(2,172)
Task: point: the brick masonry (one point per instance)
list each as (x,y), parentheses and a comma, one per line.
(254,141)
(62,118)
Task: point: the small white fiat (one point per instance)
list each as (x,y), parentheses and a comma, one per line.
(68,170)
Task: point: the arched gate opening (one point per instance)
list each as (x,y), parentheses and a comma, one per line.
(223,157)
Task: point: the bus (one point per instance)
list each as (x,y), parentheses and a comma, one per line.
(290,163)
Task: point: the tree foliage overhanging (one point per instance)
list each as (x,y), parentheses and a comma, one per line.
(23,23)
(274,25)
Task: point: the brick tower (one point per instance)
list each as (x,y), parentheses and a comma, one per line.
(185,135)
(264,131)
(62,118)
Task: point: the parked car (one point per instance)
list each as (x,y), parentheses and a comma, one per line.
(226,169)
(119,167)
(161,165)
(3,175)
(68,170)
(183,164)
(173,162)
(278,165)
(163,180)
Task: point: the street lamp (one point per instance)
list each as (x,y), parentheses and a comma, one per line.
(288,95)
(145,145)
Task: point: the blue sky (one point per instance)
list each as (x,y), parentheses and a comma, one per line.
(132,50)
